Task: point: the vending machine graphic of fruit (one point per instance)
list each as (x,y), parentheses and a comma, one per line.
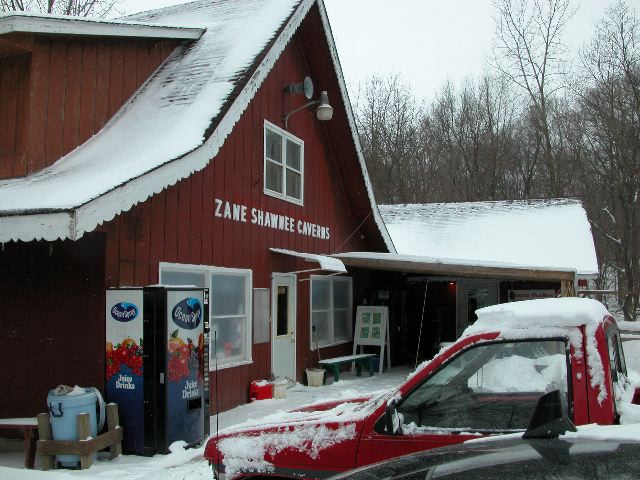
(124,362)
(160,381)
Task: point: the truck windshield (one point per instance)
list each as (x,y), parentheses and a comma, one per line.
(487,388)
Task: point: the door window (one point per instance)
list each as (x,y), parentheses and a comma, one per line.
(282,314)
(487,388)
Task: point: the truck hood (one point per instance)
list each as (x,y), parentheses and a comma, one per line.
(303,436)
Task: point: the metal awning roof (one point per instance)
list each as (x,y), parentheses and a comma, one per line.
(425,265)
(329,264)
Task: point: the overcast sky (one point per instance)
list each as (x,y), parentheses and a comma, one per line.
(426,42)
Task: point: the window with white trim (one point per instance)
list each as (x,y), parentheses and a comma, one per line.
(283,164)
(229,307)
(331,306)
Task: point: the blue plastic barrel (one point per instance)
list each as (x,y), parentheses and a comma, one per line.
(63,412)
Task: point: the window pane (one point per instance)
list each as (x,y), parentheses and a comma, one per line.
(228,295)
(282,320)
(273,146)
(274,177)
(293,155)
(341,293)
(488,388)
(230,335)
(321,321)
(341,325)
(293,184)
(182,278)
(320,294)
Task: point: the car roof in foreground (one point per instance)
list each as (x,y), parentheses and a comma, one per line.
(511,457)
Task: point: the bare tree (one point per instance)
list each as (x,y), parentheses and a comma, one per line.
(388,119)
(529,51)
(610,110)
(469,136)
(78,8)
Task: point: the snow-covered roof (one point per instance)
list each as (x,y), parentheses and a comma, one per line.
(24,22)
(172,126)
(532,234)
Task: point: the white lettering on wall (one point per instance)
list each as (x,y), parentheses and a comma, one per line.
(238,213)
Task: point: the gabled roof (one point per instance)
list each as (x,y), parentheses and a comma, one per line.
(24,22)
(552,235)
(173,126)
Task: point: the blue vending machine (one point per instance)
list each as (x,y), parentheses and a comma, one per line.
(157,365)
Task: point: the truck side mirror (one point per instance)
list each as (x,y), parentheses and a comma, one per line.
(549,419)
(392,418)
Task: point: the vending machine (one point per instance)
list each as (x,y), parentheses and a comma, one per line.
(157,365)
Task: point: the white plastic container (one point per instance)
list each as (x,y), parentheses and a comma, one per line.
(315,377)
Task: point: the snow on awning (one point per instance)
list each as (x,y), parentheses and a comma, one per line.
(326,263)
(451,267)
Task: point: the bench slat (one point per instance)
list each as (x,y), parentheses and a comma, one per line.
(346,358)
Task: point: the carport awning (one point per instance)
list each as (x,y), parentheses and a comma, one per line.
(426,265)
(326,263)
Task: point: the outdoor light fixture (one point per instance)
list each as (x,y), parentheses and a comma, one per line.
(324,112)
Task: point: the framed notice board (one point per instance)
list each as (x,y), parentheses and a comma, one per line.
(372,328)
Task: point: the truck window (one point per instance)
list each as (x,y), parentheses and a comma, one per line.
(487,388)
(616,355)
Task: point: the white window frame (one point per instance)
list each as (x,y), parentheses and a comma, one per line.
(332,281)
(208,271)
(285,136)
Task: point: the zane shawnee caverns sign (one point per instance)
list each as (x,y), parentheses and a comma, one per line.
(241,213)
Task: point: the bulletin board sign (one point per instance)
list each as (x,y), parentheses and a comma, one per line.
(372,328)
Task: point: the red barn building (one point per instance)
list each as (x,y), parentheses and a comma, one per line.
(172,147)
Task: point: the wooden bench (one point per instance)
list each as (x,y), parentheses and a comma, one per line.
(29,429)
(361,360)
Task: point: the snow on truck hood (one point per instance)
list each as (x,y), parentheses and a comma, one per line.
(309,430)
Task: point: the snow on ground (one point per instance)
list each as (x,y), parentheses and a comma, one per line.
(188,464)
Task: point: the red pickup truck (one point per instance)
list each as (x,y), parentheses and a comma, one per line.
(486,383)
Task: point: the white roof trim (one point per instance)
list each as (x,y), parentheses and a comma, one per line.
(326,263)
(59,25)
(352,124)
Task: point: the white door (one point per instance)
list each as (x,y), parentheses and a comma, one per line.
(283,325)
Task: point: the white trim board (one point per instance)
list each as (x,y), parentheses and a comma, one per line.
(57,25)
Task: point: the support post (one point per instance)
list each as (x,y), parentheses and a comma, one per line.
(113,420)
(44,434)
(84,433)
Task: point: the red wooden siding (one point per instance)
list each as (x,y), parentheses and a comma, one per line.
(75,85)
(14,75)
(52,303)
(178,225)
(59,95)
